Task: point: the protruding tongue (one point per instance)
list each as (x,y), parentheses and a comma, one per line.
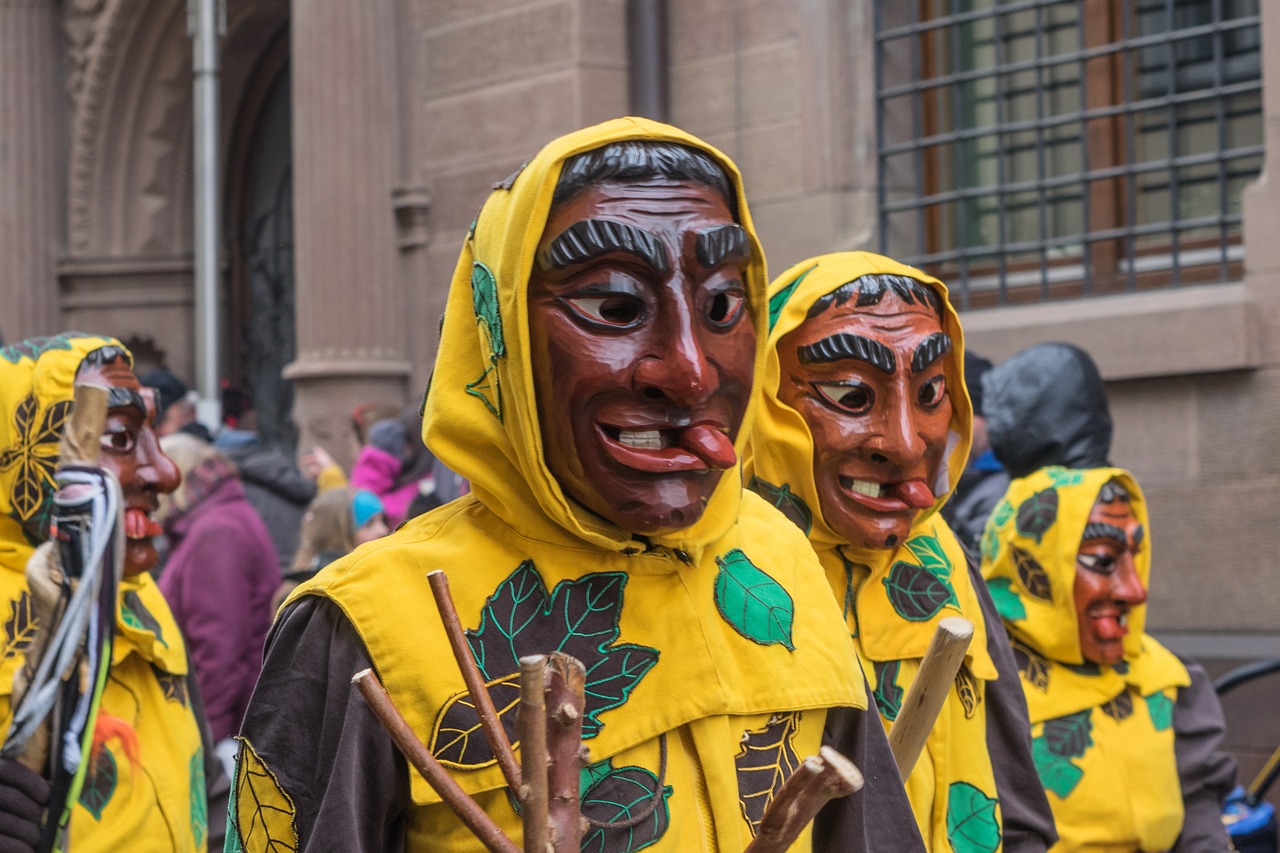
(139,525)
(914,493)
(710,445)
(1109,628)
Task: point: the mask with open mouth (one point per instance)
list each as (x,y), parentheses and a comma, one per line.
(1107,585)
(866,372)
(637,311)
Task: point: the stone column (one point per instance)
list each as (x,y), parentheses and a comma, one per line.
(351,324)
(31,99)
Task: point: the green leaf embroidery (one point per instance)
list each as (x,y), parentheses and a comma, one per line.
(888,694)
(1161,708)
(1032,576)
(1007,602)
(33,348)
(592,774)
(1069,735)
(579,618)
(788,502)
(99,782)
(1121,707)
(136,615)
(928,550)
(199,803)
(20,627)
(916,593)
(625,797)
(488,389)
(990,546)
(484,301)
(1002,513)
(779,300)
(972,823)
(754,604)
(1033,666)
(1037,514)
(767,758)
(1057,774)
(1063,477)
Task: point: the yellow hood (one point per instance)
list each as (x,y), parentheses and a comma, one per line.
(36,386)
(781,450)
(1029,560)
(481,414)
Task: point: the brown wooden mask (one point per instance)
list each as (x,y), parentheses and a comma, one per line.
(643,348)
(865,371)
(1107,584)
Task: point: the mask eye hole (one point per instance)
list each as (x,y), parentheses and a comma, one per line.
(724,308)
(931,393)
(852,398)
(118,439)
(611,310)
(1102,564)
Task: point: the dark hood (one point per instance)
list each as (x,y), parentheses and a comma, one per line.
(1047,406)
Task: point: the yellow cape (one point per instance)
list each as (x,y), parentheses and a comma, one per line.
(891,624)
(1102,735)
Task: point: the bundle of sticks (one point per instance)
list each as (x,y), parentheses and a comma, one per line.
(546,777)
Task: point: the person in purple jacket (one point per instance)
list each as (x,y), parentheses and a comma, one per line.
(219,580)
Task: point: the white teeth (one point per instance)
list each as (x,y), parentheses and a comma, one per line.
(650,439)
(865,487)
(1123,620)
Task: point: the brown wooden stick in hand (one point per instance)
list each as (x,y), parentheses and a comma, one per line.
(533,754)
(566,680)
(929,690)
(818,780)
(490,722)
(81,439)
(467,810)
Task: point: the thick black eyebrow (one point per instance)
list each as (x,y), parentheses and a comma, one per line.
(591,238)
(845,346)
(722,241)
(119,398)
(1102,530)
(930,350)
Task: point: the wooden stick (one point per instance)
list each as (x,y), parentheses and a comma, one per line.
(533,754)
(467,810)
(929,690)
(480,698)
(818,780)
(566,681)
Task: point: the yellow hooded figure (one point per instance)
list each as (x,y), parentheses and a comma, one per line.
(145,783)
(1067,558)
(593,383)
(863,431)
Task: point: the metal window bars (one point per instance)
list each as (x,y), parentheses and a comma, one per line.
(1031,150)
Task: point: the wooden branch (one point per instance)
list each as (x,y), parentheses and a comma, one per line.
(818,780)
(480,698)
(928,691)
(533,754)
(467,810)
(566,681)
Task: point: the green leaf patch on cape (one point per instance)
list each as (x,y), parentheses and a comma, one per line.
(754,604)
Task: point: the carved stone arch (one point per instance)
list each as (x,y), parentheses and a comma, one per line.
(130,159)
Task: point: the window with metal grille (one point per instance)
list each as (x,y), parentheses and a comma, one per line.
(1044,149)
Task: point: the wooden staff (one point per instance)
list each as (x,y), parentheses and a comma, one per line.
(929,690)
(490,722)
(79,445)
(818,780)
(467,810)
(533,754)
(566,684)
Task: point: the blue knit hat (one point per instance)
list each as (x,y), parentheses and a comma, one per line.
(364,506)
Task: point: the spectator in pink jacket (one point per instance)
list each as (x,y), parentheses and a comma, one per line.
(221,573)
(394,464)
